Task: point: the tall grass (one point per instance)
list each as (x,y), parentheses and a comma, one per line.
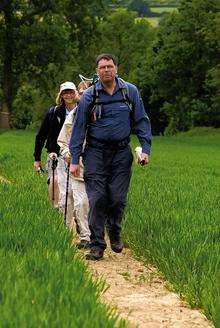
(172,220)
(173,216)
(42,281)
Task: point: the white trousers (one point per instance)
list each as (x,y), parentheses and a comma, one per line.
(77,201)
(62,183)
(81,208)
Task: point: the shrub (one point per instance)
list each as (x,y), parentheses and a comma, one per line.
(27,107)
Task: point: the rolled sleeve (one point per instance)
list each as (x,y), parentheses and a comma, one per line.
(142,124)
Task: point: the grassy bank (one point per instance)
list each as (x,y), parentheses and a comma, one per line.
(43,283)
(173,216)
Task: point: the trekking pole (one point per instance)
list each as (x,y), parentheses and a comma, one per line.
(54,165)
(91,80)
(83,78)
(40,170)
(67,190)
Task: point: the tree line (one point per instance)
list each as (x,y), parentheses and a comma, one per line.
(176,65)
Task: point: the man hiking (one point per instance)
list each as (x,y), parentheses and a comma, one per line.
(106,114)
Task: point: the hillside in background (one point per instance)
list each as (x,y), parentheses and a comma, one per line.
(154,10)
(148,3)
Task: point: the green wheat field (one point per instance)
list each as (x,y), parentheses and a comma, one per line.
(172,220)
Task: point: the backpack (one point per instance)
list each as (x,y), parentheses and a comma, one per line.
(52,112)
(96,105)
(51,118)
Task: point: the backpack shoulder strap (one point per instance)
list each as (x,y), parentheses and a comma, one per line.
(52,111)
(96,106)
(95,96)
(125,94)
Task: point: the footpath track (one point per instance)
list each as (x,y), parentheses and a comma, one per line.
(140,295)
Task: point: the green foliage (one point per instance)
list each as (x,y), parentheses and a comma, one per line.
(140,7)
(200,131)
(213,90)
(176,70)
(83,17)
(36,35)
(172,218)
(128,37)
(44,283)
(29,106)
(24,110)
(175,65)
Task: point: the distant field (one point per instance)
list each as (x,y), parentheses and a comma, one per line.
(165,3)
(163,9)
(154,21)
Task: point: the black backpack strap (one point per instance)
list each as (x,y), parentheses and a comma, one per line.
(129,103)
(126,98)
(52,112)
(95,96)
(96,105)
(125,95)
(51,118)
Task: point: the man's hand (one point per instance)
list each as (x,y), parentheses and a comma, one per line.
(53,156)
(75,170)
(37,165)
(145,159)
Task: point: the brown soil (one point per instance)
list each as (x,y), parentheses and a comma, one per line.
(140,295)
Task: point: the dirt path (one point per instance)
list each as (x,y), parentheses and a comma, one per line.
(140,295)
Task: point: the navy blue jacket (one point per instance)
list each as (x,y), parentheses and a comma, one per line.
(115,122)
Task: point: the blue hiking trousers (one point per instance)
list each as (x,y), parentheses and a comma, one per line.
(107,173)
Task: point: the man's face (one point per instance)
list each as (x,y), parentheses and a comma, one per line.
(106,70)
(68,96)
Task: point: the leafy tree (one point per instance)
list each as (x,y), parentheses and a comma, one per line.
(29,34)
(40,40)
(127,36)
(83,16)
(25,101)
(213,92)
(139,6)
(176,69)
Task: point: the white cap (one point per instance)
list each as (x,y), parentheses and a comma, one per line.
(67,86)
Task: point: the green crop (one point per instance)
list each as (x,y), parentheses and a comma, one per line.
(43,283)
(173,216)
